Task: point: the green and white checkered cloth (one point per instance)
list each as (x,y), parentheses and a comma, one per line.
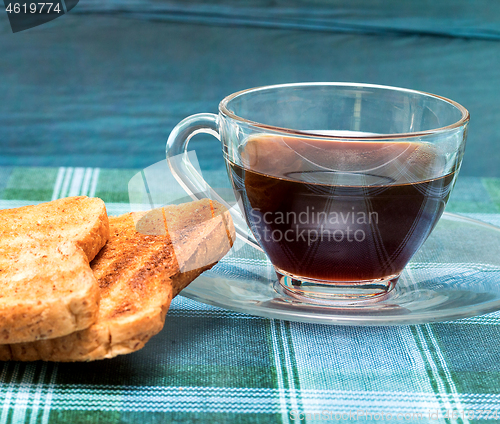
(213,365)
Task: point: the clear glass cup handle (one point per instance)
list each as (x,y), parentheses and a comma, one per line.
(187,175)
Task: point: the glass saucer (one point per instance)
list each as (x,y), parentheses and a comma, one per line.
(456,274)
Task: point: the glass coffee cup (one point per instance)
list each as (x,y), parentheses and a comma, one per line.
(339,183)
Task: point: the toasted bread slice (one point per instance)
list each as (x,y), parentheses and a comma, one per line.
(80,219)
(139,274)
(47,286)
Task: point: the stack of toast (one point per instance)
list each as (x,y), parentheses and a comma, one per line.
(78,285)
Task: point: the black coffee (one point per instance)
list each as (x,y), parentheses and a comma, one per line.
(340,211)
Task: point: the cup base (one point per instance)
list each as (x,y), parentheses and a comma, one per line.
(333,292)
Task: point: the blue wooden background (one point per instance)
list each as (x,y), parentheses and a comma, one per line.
(104,85)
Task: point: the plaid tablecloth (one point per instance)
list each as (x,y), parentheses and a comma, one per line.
(213,365)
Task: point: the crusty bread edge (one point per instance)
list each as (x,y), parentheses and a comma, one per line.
(93,241)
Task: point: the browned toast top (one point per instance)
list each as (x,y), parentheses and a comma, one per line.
(138,274)
(134,264)
(81,220)
(131,269)
(46,286)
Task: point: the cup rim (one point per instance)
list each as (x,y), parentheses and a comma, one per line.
(461,122)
